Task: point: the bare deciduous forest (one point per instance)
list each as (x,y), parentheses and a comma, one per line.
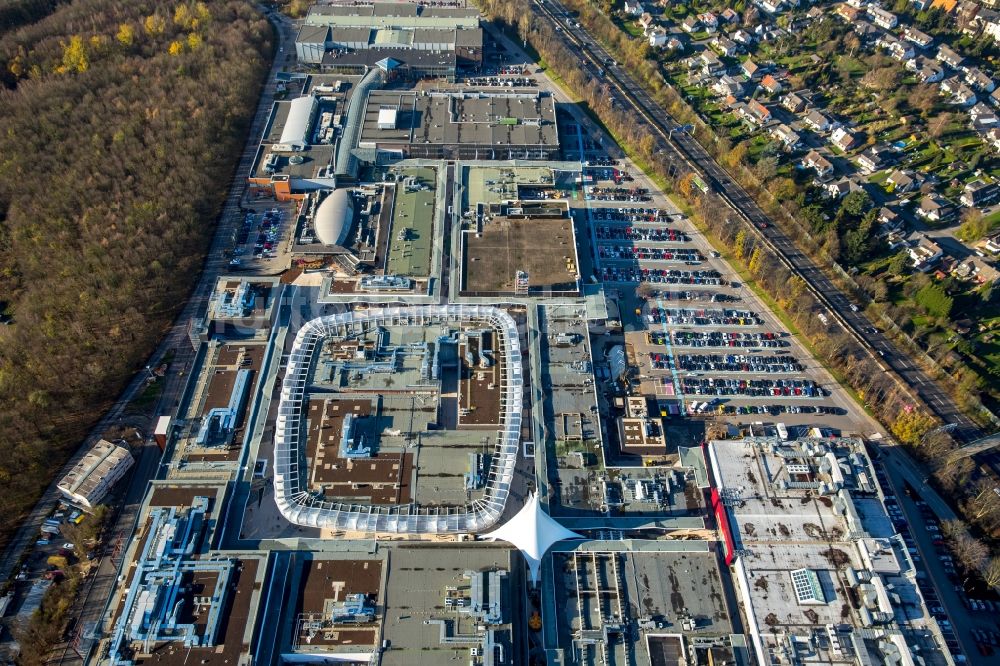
(121,125)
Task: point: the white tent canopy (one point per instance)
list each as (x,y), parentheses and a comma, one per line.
(533,532)
(301,111)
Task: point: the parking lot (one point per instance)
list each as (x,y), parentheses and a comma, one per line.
(690,326)
(263,242)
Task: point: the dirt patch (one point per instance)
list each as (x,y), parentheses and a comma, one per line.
(836,557)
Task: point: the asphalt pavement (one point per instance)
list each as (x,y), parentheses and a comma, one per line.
(900,470)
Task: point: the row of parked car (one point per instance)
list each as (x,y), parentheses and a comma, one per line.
(737,363)
(618,194)
(660,276)
(502,82)
(776,410)
(651,234)
(703,317)
(605,173)
(698,295)
(630,253)
(630,214)
(798,388)
(719,339)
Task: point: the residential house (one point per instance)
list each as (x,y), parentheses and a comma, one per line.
(992,245)
(844,139)
(865,30)
(839,188)
(950,85)
(903,180)
(725,46)
(964,96)
(647,22)
(995,97)
(993,138)
(948,6)
(979,193)
(691,24)
(633,7)
(770,84)
(983,117)
(918,37)
(966,16)
(872,159)
(743,37)
(773,34)
(920,5)
(949,57)
(674,43)
(928,71)
(822,166)
(708,21)
(991,25)
(751,69)
(924,252)
(728,86)
(788,137)
(729,16)
(901,51)
(979,80)
(710,62)
(889,219)
(771,6)
(848,13)
(760,114)
(935,208)
(882,18)
(793,102)
(815,14)
(657,37)
(817,121)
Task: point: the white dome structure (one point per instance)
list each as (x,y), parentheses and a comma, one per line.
(533,532)
(333,218)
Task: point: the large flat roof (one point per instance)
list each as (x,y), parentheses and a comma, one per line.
(413,58)
(456,118)
(812,543)
(544,248)
(102,460)
(418,582)
(394,15)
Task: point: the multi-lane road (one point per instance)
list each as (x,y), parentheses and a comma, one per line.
(685,150)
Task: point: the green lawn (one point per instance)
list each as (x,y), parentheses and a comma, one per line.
(879,177)
(632,28)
